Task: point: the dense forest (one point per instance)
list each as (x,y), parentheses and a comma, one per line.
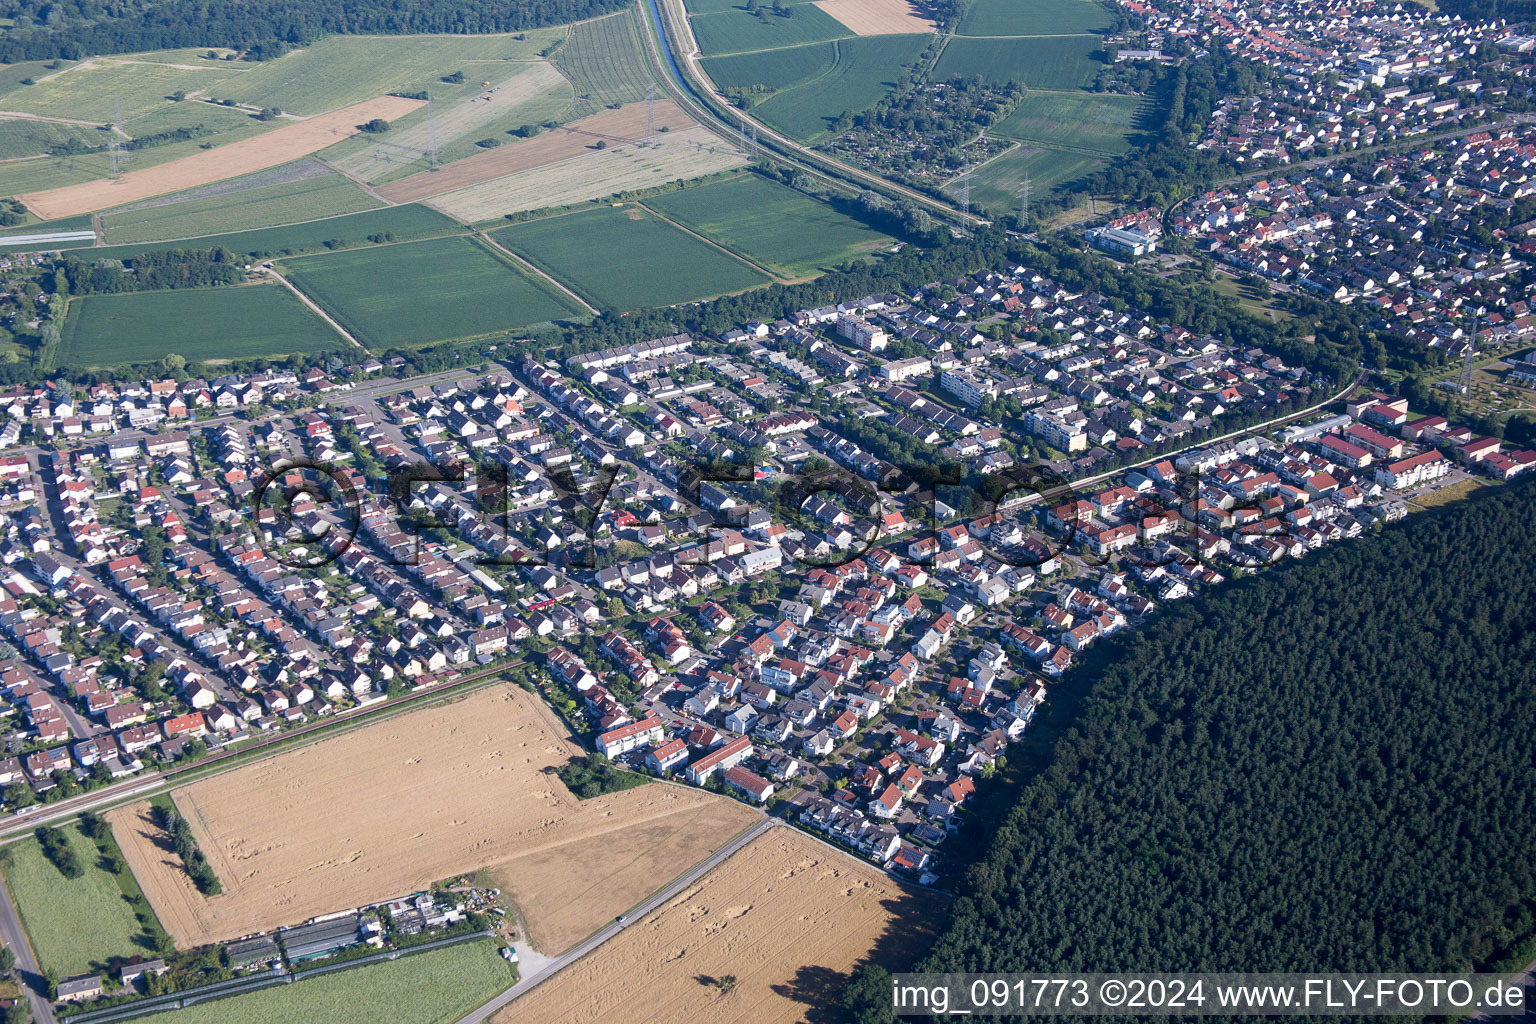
(72,29)
(1322,767)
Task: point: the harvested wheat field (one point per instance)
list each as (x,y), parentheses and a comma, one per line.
(691,153)
(269,149)
(621,125)
(787,915)
(877,17)
(388,809)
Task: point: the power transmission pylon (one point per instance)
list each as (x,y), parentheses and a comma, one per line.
(963,190)
(650,111)
(112,133)
(431,131)
(1024,203)
(1464,382)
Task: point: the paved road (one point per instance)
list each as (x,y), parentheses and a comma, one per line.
(15,939)
(553,966)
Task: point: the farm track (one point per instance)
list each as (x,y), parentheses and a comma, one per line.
(314,307)
(530,268)
(712,243)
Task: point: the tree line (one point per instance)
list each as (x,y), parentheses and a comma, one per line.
(1321,767)
(260,29)
(185,845)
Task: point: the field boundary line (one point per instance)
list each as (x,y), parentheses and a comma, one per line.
(1034,35)
(315,307)
(536,271)
(359,182)
(709,241)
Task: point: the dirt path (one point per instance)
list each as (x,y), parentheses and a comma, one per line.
(530,268)
(322,314)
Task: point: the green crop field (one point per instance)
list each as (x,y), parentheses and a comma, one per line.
(1063,63)
(1102,122)
(995,184)
(414,294)
(404,223)
(864,69)
(435,987)
(74,923)
(626,259)
(199,324)
(605,61)
(87,92)
(774,70)
(1033,17)
(337,71)
(786,231)
(23,138)
(313,198)
(736,31)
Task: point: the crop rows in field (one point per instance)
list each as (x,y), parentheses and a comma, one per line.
(606,63)
(306,199)
(735,31)
(1033,17)
(401,296)
(692,153)
(1063,63)
(1102,122)
(773,225)
(625,258)
(244,322)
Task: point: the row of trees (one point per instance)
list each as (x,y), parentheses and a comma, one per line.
(262,29)
(148,271)
(185,845)
(57,849)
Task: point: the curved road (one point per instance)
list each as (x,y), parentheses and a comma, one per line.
(694,84)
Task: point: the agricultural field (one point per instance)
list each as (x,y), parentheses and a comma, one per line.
(520,94)
(773,71)
(864,69)
(1033,18)
(290,142)
(200,324)
(435,987)
(605,60)
(299,198)
(24,137)
(625,258)
(788,917)
(691,153)
(771,224)
(736,31)
(74,923)
(413,294)
(877,17)
(1102,122)
(87,91)
(341,70)
(995,184)
(1060,63)
(610,127)
(319,828)
(397,223)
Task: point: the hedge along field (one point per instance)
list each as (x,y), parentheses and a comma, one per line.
(1064,62)
(72,922)
(309,199)
(201,324)
(626,258)
(404,223)
(400,296)
(1033,18)
(436,987)
(1102,122)
(786,231)
(864,70)
(735,31)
